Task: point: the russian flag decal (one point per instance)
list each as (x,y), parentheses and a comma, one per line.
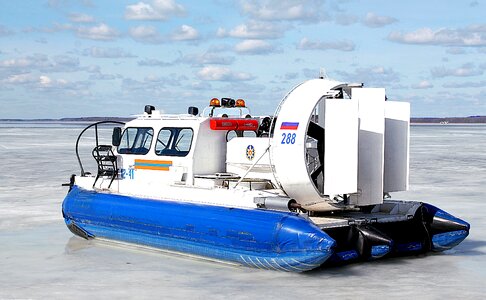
(289,125)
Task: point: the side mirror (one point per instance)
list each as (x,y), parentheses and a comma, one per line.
(116,136)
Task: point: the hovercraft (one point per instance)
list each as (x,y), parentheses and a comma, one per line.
(307,186)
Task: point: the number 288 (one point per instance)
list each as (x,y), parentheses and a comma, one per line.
(288,138)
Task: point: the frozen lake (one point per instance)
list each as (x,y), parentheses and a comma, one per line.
(40,258)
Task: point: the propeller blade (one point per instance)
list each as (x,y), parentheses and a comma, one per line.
(315,131)
(316,173)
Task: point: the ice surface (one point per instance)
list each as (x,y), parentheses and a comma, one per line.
(40,258)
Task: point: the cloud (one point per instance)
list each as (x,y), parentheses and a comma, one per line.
(212,73)
(206,58)
(201,85)
(63,62)
(424,84)
(371,76)
(28,79)
(95,74)
(474,36)
(101,76)
(375,21)
(55,27)
(469,84)
(346,19)
(131,85)
(46,81)
(306,44)
(152,62)
(465,70)
(156,10)
(455,50)
(185,33)
(446,102)
(81,18)
(284,78)
(100,52)
(20,62)
(254,30)
(146,34)
(62,86)
(370,20)
(47,84)
(93,69)
(40,62)
(171,80)
(291,75)
(4,31)
(284,10)
(154,86)
(68,3)
(101,32)
(150,34)
(254,47)
(310,73)
(25,78)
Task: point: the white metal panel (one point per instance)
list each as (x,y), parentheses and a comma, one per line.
(341,147)
(243,152)
(397,141)
(209,151)
(238,153)
(371,107)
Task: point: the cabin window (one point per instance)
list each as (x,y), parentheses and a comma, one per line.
(136,140)
(173,141)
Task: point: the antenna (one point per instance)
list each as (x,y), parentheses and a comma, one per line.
(323,74)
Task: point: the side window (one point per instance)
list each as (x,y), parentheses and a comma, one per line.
(163,140)
(173,141)
(184,139)
(136,140)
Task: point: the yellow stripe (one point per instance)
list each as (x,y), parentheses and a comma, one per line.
(152,168)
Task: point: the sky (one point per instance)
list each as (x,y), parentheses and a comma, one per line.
(75,58)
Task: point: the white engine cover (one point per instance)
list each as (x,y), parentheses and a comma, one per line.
(366,145)
(287,151)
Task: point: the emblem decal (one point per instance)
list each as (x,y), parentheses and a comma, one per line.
(250,152)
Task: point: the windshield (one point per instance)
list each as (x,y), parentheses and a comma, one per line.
(136,140)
